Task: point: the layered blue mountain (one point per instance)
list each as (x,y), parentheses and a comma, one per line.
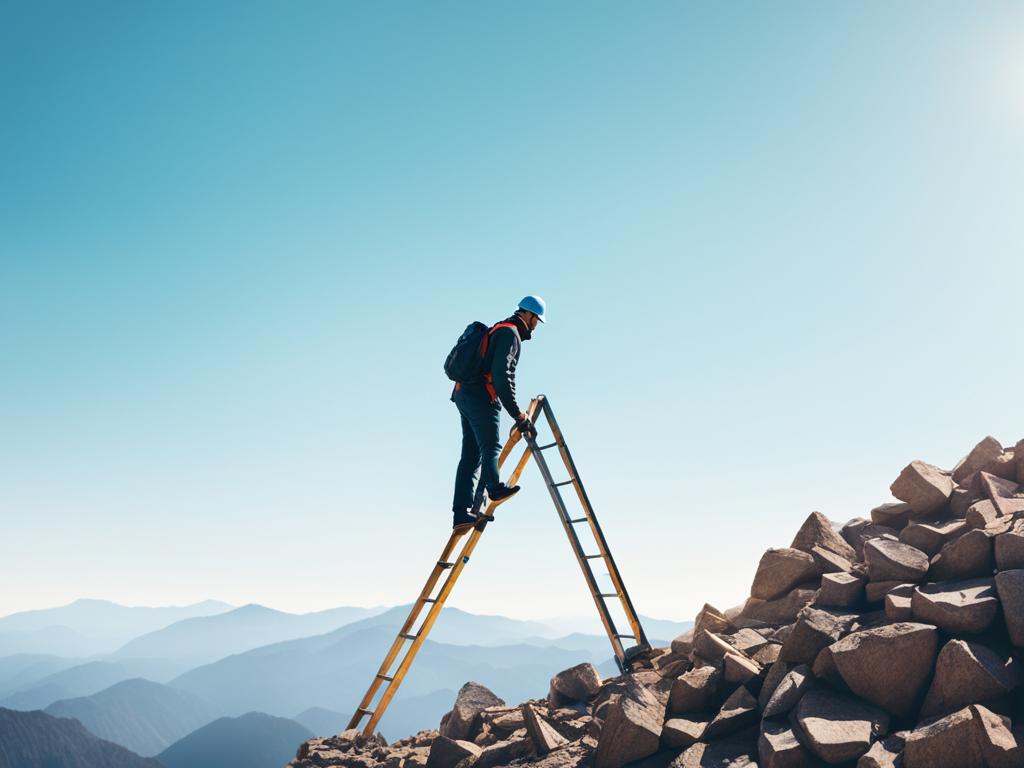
(86,679)
(38,740)
(202,640)
(254,740)
(334,669)
(143,716)
(22,670)
(90,627)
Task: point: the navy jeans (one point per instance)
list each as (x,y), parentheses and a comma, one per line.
(481,445)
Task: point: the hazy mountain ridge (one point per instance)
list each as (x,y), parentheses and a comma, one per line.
(89,627)
(39,740)
(253,740)
(201,640)
(143,716)
(87,679)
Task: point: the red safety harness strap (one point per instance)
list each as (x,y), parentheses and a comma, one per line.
(488,377)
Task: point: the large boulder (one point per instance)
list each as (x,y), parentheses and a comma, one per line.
(711,646)
(711,619)
(1000,747)
(680,732)
(817,531)
(957,607)
(888,666)
(983,454)
(1010,585)
(577,683)
(858,531)
(738,668)
(738,711)
(898,603)
(448,753)
(1002,493)
(840,590)
(1009,548)
(781,610)
(780,570)
(787,693)
(515,747)
(968,673)
(683,644)
(951,742)
(632,728)
(694,690)
(775,675)
(924,487)
(737,751)
(813,630)
(544,737)
(966,557)
(891,514)
(778,746)
(894,561)
(463,722)
(838,728)
(981,514)
(930,537)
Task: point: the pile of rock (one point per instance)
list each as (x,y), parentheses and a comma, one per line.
(892,641)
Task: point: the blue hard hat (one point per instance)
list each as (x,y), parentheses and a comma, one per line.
(533,304)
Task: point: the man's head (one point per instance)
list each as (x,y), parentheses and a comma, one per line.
(531,309)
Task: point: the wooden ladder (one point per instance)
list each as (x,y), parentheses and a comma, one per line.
(454,567)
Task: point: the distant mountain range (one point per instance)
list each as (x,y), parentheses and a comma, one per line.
(333,670)
(86,679)
(143,716)
(202,640)
(38,740)
(90,627)
(254,740)
(243,662)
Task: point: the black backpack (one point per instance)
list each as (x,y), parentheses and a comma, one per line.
(465,363)
(466,360)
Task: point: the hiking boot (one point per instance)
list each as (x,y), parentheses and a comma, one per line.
(461,521)
(503,493)
(465,520)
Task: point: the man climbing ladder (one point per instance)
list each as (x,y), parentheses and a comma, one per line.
(483,366)
(453,566)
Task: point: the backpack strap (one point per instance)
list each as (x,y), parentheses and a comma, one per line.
(488,378)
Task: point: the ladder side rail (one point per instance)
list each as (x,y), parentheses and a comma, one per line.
(399,641)
(595,527)
(435,610)
(421,635)
(588,574)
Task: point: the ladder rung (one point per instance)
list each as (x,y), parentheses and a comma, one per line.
(365,711)
(559,485)
(632,637)
(389,679)
(545,447)
(578,520)
(429,599)
(409,637)
(610,594)
(592,557)
(443,564)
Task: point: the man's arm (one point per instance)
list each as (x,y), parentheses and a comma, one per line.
(503,368)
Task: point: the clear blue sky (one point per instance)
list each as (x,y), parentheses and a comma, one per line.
(781,247)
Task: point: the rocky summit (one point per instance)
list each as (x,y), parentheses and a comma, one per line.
(893,640)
